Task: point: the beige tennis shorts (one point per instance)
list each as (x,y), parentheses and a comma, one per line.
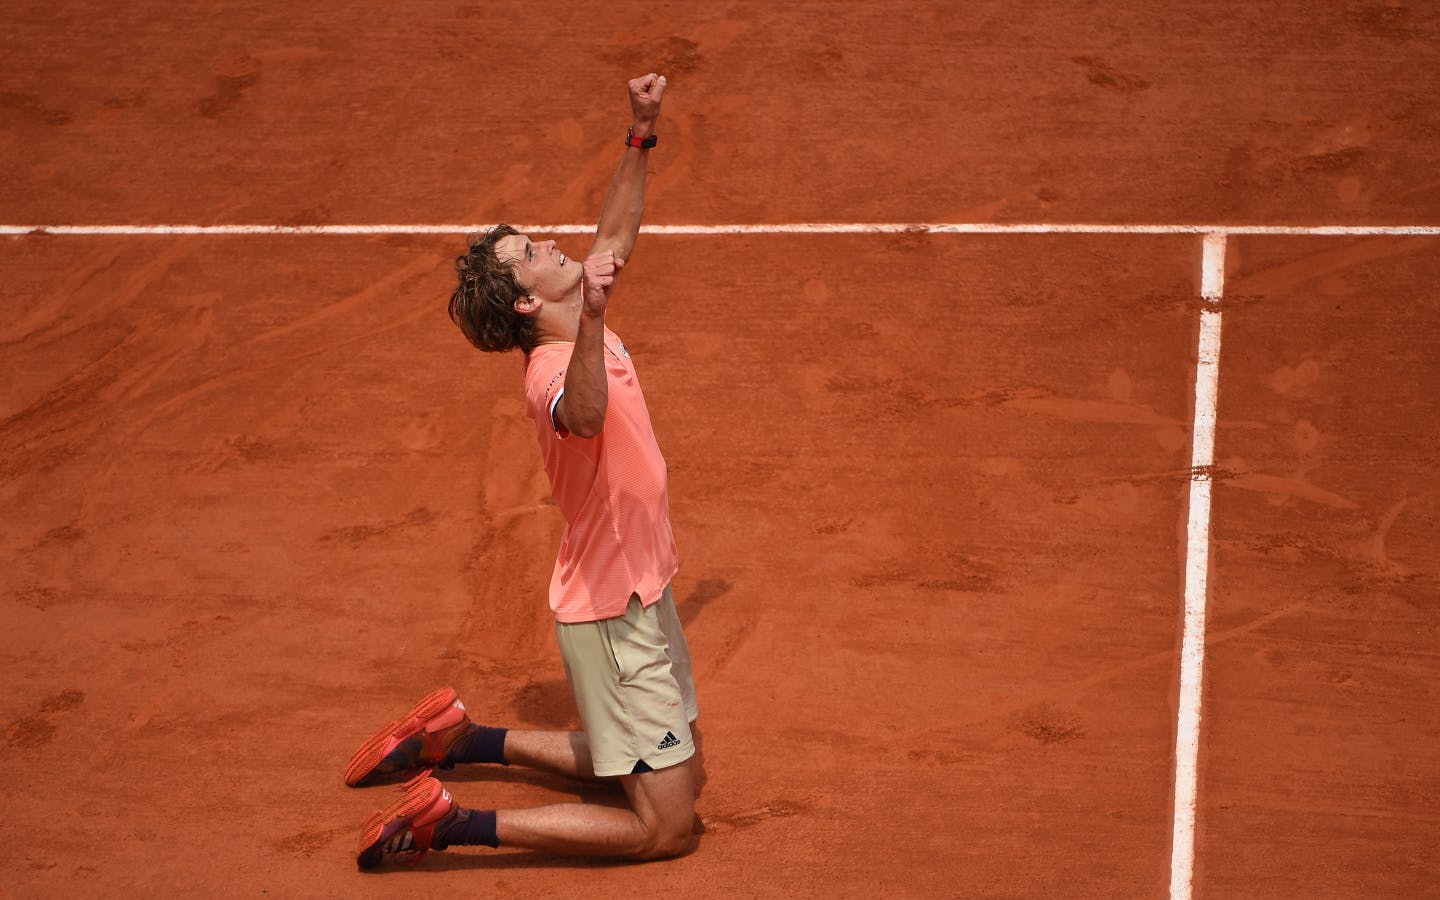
(632,682)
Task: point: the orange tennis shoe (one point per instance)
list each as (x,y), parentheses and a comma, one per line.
(420,738)
(408,826)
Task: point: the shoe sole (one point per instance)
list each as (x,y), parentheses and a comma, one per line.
(421,795)
(374,751)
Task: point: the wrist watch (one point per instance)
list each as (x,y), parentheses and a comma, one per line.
(644,143)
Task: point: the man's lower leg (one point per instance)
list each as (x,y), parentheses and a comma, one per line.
(563,752)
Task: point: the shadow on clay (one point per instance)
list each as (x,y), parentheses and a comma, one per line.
(706,591)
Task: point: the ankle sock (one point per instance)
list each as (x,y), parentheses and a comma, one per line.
(467,828)
(483,745)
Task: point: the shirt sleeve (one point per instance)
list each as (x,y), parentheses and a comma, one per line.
(545,386)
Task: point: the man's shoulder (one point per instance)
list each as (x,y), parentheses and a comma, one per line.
(546,357)
(542,369)
(618,345)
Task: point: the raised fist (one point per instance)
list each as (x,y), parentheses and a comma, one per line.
(600,271)
(645,94)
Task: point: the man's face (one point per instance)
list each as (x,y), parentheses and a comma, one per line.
(544,272)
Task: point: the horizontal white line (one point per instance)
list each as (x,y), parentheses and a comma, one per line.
(791,228)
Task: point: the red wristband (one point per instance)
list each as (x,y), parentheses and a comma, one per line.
(644,143)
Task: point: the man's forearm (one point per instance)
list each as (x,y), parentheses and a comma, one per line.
(624,203)
(587,393)
(581,409)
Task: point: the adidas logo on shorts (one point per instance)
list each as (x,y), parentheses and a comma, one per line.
(670,741)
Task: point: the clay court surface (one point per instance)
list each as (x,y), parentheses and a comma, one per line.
(931,490)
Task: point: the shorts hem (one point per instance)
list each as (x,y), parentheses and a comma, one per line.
(611,769)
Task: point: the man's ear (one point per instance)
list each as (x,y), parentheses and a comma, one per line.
(527,305)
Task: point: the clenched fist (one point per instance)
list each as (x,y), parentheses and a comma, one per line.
(645,94)
(600,272)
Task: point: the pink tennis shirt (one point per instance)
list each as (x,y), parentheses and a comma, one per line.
(613,490)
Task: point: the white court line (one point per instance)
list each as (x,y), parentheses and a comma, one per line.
(1197,564)
(792,228)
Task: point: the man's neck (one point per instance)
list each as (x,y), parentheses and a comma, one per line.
(559,320)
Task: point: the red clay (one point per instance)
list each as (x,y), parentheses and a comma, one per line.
(930,492)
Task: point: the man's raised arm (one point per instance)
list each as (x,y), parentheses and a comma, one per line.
(625,202)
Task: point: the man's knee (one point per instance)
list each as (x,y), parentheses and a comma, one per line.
(668,839)
(664,801)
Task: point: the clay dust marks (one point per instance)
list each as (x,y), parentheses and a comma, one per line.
(738,631)
(256,361)
(231,82)
(393,283)
(39,727)
(723,822)
(1393,20)
(354,535)
(736,638)
(505,571)
(1362,552)
(1105,76)
(1045,723)
(1279,488)
(86,367)
(1041,710)
(1168,432)
(310,841)
(17,106)
(85,297)
(1314,267)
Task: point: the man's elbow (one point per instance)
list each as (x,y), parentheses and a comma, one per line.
(581,418)
(588,426)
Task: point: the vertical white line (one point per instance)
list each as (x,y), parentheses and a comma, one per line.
(1197,563)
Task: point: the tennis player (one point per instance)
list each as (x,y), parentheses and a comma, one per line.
(620,638)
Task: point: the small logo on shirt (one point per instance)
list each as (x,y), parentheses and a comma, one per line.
(623,352)
(670,741)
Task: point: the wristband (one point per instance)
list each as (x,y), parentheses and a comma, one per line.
(643,143)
